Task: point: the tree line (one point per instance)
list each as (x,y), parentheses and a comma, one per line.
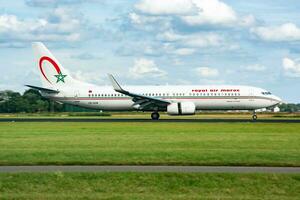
(31,101)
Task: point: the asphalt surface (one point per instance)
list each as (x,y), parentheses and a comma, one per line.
(147,120)
(128,168)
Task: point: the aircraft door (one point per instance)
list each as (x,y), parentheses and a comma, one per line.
(251,95)
(76,97)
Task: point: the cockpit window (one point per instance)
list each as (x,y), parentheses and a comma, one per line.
(266,93)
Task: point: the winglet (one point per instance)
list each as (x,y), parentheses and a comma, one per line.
(115,84)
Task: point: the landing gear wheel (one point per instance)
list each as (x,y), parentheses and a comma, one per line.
(254,117)
(155,116)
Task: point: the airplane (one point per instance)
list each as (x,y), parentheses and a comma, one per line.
(58,85)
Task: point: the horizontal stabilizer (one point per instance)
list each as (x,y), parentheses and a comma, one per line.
(43,89)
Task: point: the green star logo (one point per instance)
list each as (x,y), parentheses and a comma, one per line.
(60,77)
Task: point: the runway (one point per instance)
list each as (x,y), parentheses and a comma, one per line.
(149,120)
(134,168)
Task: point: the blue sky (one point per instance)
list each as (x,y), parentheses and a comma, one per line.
(156,42)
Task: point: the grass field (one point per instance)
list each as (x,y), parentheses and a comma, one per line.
(148,186)
(146,115)
(245,144)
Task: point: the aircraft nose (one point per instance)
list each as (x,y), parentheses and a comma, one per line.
(277,99)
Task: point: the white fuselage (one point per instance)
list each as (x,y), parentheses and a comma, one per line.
(222,97)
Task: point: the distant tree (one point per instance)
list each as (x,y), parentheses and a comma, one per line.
(13,102)
(36,103)
(4,95)
(289,107)
(42,105)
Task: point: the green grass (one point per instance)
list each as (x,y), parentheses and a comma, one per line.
(146,115)
(149,186)
(61,143)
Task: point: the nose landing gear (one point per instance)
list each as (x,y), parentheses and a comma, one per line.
(155,115)
(254,116)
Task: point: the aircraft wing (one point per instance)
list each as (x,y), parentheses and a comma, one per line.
(140,101)
(43,89)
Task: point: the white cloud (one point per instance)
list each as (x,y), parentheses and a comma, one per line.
(135,18)
(53,3)
(204,40)
(285,32)
(166,7)
(144,67)
(208,39)
(60,25)
(207,72)
(170,36)
(142,20)
(184,51)
(248,21)
(255,68)
(149,22)
(86,56)
(195,12)
(211,12)
(291,67)
(177,62)
(89,77)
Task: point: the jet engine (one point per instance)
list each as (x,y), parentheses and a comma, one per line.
(181,108)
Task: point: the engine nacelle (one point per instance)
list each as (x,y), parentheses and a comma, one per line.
(181,108)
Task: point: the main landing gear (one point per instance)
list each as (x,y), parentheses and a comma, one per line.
(254,116)
(155,115)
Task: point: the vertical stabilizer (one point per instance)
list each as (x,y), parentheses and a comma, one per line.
(52,73)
